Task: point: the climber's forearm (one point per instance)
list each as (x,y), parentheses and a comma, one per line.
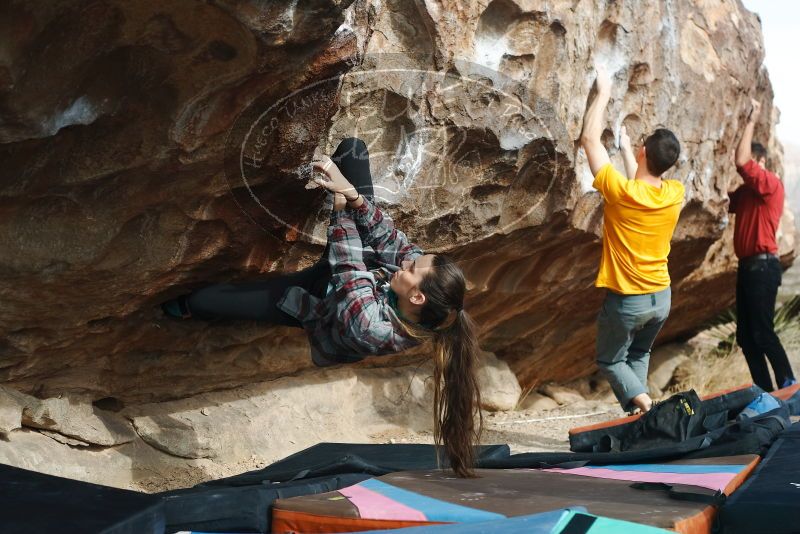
(631,166)
(592,131)
(743,150)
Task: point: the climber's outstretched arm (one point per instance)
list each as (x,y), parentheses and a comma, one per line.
(743,149)
(593,124)
(376,231)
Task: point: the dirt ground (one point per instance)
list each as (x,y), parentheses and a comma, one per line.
(524,431)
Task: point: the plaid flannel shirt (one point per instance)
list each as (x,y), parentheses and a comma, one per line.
(355,319)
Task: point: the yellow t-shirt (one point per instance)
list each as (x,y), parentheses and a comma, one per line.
(638,221)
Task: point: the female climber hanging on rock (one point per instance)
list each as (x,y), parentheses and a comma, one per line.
(355,303)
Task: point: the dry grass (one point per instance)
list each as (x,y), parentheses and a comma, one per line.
(717,363)
(715,370)
(524,395)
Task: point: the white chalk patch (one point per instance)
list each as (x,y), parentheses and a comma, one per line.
(410,161)
(81,111)
(611,57)
(512,139)
(290,10)
(669,43)
(618,131)
(610,54)
(707,173)
(347,25)
(489,51)
(689,186)
(403,169)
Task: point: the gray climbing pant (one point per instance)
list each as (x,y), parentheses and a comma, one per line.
(626,328)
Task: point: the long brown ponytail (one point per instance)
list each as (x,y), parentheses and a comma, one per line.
(456,397)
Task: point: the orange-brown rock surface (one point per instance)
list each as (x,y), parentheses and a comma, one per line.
(151,147)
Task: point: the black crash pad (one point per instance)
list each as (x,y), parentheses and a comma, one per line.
(32,502)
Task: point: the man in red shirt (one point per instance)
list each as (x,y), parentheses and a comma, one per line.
(758,205)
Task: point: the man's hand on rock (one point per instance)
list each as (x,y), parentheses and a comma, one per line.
(756,110)
(603,81)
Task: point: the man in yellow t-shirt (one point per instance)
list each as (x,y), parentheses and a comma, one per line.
(639,218)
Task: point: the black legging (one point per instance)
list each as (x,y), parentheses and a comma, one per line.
(258,300)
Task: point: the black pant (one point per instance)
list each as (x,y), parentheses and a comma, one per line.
(756,288)
(258,300)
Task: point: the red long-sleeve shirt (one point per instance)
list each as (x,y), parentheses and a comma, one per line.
(758,205)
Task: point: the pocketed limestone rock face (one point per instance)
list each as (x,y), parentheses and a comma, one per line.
(149,148)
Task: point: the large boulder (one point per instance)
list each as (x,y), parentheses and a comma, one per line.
(500,390)
(663,362)
(536,402)
(150,148)
(561,394)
